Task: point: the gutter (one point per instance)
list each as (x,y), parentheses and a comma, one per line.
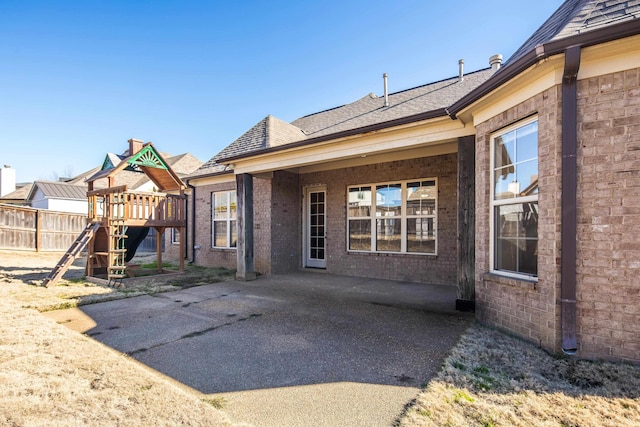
(568,255)
(441,112)
(541,52)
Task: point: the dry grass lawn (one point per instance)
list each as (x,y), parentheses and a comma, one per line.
(491,379)
(50,375)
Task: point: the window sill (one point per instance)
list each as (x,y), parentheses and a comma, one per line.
(507,280)
(387,254)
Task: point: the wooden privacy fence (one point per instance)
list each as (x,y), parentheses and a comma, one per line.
(28,229)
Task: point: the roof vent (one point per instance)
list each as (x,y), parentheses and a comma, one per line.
(461,70)
(496,62)
(386,90)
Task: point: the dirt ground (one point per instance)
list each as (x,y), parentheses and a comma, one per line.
(51,375)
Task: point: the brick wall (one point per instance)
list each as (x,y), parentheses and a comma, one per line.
(608,211)
(440,269)
(207,255)
(609,216)
(262,215)
(525,308)
(286,228)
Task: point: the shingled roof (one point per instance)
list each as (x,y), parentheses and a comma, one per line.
(271,132)
(577,17)
(576,22)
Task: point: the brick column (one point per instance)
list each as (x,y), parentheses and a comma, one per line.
(244,187)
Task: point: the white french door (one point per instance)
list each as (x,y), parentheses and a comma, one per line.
(315,227)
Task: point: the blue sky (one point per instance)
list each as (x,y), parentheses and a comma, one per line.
(79,78)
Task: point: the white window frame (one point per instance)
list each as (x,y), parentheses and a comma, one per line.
(403,218)
(175,236)
(230,219)
(503,202)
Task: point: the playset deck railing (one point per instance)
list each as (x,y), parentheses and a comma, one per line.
(143,209)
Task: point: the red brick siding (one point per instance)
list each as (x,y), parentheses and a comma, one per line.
(440,269)
(286,228)
(608,193)
(207,255)
(609,216)
(525,308)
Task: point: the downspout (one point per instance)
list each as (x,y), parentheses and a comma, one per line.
(569,200)
(193,222)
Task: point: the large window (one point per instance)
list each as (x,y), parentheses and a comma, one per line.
(393,217)
(224,219)
(514,198)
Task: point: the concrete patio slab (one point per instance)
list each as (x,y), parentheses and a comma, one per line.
(299,349)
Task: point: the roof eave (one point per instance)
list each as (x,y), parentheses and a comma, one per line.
(441,112)
(207,175)
(545,50)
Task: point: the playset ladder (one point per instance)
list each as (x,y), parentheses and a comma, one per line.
(72,253)
(116,269)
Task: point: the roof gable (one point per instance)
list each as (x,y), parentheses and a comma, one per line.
(148,161)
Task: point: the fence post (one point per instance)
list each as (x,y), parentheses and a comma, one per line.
(38,231)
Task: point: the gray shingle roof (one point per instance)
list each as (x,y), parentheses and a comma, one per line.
(579,16)
(272,132)
(370,109)
(59,190)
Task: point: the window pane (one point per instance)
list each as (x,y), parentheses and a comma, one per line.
(527,142)
(220,205)
(421,235)
(507,254)
(232,205)
(388,235)
(517,238)
(234,234)
(220,234)
(505,152)
(421,198)
(360,201)
(505,183)
(388,200)
(527,177)
(360,234)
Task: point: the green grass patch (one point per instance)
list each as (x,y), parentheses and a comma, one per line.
(154,264)
(216,402)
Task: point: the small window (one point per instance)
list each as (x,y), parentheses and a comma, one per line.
(175,236)
(224,234)
(393,217)
(514,200)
